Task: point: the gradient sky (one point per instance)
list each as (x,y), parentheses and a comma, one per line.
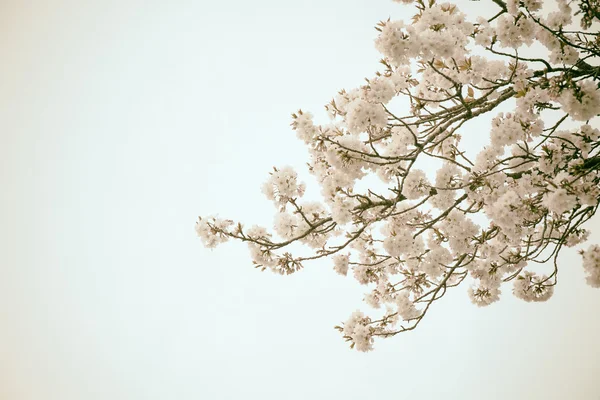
(120,123)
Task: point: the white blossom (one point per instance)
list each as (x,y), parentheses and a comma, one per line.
(340,264)
(356,328)
(559,201)
(283,186)
(530,287)
(591,265)
(582,102)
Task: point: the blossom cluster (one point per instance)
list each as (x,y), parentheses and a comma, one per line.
(591,265)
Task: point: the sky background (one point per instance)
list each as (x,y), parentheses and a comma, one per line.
(120,123)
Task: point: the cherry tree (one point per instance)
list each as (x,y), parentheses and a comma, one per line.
(487,221)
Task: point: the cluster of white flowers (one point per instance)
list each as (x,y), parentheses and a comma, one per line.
(357,329)
(406,308)
(559,201)
(582,102)
(440,30)
(400,241)
(506,130)
(515,31)
(283,186)
(484,295)
(212,231)
(360,114)
(379,90)
(591,265)
(340,264)
(486,217)
(416,184)
(530,287)
(304,126)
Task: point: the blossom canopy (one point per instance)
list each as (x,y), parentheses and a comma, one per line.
(489,220)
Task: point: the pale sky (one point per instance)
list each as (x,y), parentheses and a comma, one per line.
(120,123)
